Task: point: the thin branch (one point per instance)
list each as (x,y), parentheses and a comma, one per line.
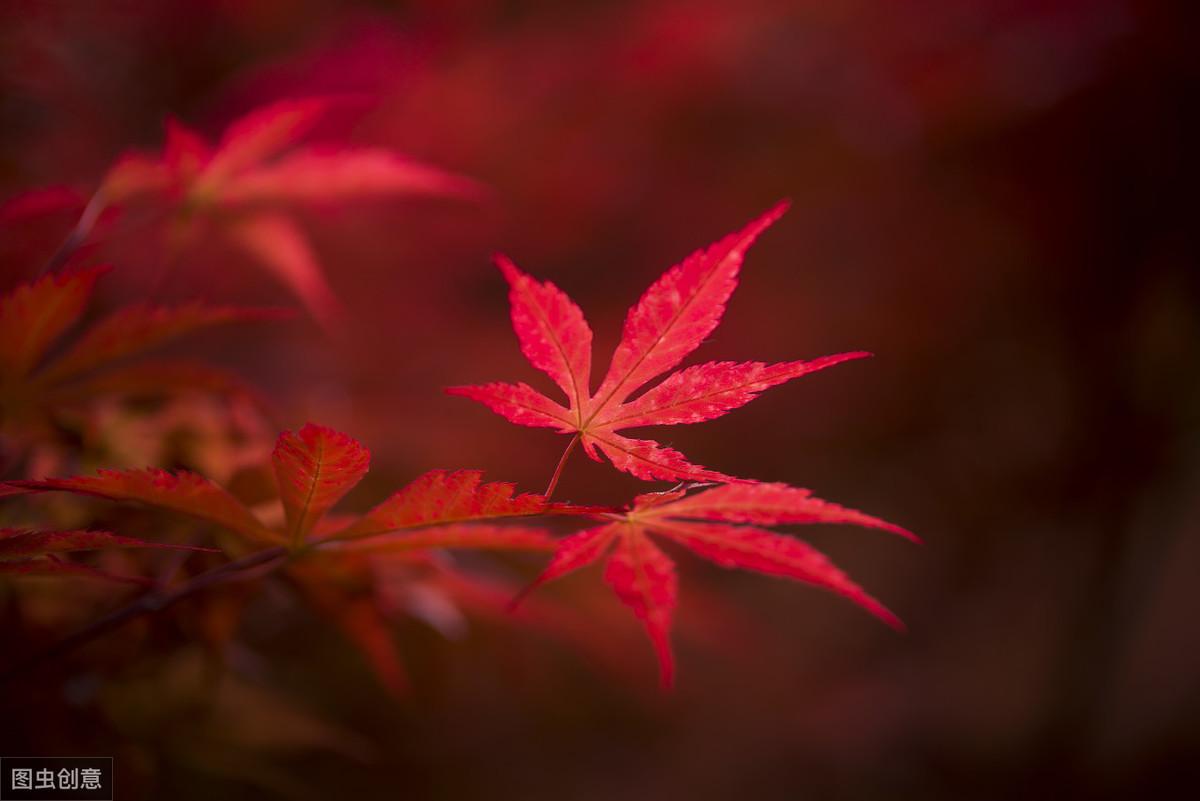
(151,602)
(562,462)
(78,235)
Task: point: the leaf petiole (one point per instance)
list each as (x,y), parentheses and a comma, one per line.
(562,462)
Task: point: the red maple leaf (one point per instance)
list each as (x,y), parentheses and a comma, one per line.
(670,320)
(243,187)
(182,492)
(33,553)
(721,525)
(314,468)
(36,384)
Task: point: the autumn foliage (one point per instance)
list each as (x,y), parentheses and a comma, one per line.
(482,399)
(314,467)
(279,518)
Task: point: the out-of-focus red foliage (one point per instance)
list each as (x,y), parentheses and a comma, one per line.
(45,400)
(315,467)
(36,553)
(329,558)
(992,198)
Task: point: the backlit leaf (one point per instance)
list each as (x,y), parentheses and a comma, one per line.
(279,245)
(20,543)
(710,524)
(136,328)
(53,566)
(339,176)
(445,496)
(315,467)
(670,321)
(34,315)
(183,492)
(475,536)
(765,504)
(643,577)
(240,188)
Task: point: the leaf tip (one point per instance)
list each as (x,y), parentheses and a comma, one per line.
(779,209)
(886,615)
(507,268)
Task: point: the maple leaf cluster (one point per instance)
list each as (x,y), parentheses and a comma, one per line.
(244,192)
(39,394)
(348,567)
(315,467)
(669,322)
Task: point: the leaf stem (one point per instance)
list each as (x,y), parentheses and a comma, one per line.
(562,462)
(154,601)
(78,235)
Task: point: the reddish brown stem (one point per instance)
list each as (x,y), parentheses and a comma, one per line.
(78,235)
(562,462)
(152,602)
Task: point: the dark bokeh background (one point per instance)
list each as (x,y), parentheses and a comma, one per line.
(994,198)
